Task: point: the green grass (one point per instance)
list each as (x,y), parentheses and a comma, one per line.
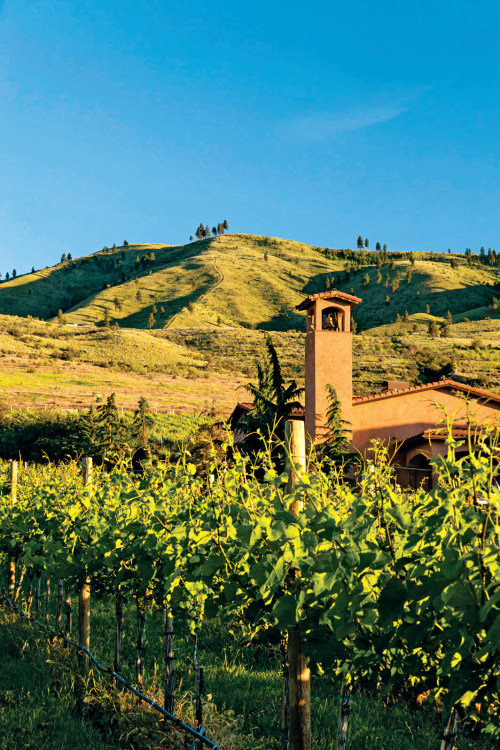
(38,709)
(242,693)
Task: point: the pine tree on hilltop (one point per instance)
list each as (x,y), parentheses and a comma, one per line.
(360,242)
(225,225)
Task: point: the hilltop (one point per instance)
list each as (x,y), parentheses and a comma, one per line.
(200,311)
(244,280)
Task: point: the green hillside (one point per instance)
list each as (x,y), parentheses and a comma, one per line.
(210,303)
(244,280)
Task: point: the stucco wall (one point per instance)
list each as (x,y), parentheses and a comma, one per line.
(404,415)
(328,360)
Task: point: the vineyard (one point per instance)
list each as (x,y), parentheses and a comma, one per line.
(388,593)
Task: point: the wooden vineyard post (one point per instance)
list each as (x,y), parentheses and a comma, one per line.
(84,594)
(120,624)
(141,629)
(47,600)
(168,639)
(198,711)
(37,595)
(285,719)
(299,675)
(11,563)
(344,714)
(67,615)
(450,733)
(59,601)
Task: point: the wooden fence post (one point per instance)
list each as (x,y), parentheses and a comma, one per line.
(450,733)
(11,563)
(299,675)
(168,638)
(344,714)
(84,594)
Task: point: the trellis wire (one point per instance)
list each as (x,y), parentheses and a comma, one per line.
(198,735)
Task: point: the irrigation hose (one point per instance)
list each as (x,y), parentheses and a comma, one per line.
(200,735)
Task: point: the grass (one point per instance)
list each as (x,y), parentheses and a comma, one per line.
(242,704)
(219,298)
(38,708)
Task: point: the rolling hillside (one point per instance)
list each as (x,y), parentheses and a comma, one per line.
(200,312)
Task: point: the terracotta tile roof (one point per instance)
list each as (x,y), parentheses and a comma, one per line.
(331,294)
(458,432)
(437,385)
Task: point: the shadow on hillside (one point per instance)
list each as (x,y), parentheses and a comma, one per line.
(286,321)
(172,307)
(67,286)
(374,310)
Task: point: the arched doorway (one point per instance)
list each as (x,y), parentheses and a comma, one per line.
(420,472)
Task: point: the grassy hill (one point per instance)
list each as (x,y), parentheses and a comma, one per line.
(213,301)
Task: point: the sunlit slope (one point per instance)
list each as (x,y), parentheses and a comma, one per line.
(236,280)
(432,283)
(244,281)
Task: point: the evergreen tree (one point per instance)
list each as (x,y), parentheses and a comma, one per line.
(427,310)
(162,310)
(32,269)
(200,232)
(360,242)
(60,317)
(408,275)
(207,232)
(367,244)
(63,257)
(444,329)
(225,226)
(106,318)
(70,257)
(449,318)
(366,280)
(7,276)
(125,243)
(337,430)
(395,285)
(110,432)
(378,246)
(433,329)
(191,238)
(151,320)
(143,421)
(406,317)
(14,273)
(494,303)
(214,231)
(387,280)
(379,277)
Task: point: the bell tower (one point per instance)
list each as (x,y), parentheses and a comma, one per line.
(328,357)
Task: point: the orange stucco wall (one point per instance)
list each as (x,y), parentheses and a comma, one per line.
(403,415)
(328,360)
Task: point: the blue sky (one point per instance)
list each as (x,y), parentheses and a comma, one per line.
(313,121)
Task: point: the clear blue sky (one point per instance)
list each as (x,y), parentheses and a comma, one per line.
(313,121)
